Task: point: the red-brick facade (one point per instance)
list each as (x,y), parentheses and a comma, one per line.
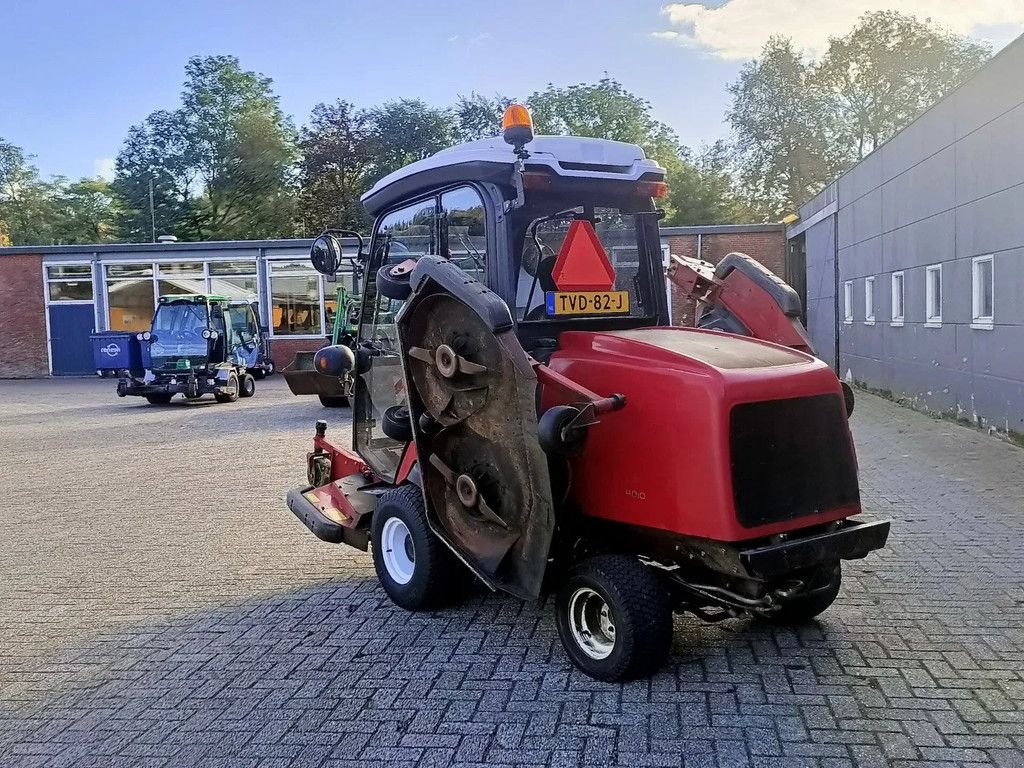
(22,317)
(766,244)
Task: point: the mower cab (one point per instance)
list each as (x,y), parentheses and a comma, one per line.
(197,344)
(524,411)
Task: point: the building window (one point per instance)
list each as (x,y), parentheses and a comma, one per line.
(869,301)
(982,292)
(133,289)
(933,296)
(130,297)
(897,298)
(69,282)
(296,302)
(848,301)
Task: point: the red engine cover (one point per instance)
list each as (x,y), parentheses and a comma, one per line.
(664,461)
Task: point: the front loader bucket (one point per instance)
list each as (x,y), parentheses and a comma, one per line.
(303,379)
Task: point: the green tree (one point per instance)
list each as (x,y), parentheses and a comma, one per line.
(27,210)
(88,212)
(702,190)
(779,122)
(337,159)
(404,131)
(221,164)
(478,116)
(885,72)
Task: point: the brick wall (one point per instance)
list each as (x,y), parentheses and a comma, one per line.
(768,247)
(22,317)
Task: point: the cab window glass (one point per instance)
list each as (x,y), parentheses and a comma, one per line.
(464,229)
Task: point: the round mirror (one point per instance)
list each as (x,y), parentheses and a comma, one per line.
(326,254)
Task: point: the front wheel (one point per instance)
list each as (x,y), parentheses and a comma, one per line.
(248,386)
(232,390)
(821,590)
(614,618)
(415,568)
(159,399)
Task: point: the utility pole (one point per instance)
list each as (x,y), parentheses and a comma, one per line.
(152,210)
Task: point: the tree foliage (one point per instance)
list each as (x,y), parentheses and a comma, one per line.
(799,123)
(887,71)
(337,160)
(221,165)
(478,116)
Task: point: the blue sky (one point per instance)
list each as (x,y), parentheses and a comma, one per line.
(78,74)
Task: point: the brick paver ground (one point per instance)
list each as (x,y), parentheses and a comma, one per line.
(160,606)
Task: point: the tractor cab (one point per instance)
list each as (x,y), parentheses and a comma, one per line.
(524,410)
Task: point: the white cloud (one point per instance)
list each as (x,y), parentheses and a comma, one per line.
(739,28)
(103,167)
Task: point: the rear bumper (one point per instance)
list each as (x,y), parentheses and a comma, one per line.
(322,526)
(852,540)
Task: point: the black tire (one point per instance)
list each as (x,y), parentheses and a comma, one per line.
(437,577)
(258,373)
(333,402)
(271,367)
(247,387)
(393,287)
(639,612)
(159,399)
(549,432)
(825,581)
(396,424)
(233,389)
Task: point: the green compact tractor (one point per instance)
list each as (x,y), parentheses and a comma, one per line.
(198,344)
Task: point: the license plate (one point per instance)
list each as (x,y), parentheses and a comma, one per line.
(587,303)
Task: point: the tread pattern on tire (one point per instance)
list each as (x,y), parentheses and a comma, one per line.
(637,587)
(443,585)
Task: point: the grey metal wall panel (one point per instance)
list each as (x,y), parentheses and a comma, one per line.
(993,223)
(921,191)
(821,300)
(991,159)
(929,241)
(996,88)
(919,140)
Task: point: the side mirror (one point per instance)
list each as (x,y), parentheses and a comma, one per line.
(326,253)
(335,360)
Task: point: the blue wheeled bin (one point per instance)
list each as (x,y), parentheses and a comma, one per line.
(116,351)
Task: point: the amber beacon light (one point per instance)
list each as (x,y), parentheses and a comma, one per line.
(517,125)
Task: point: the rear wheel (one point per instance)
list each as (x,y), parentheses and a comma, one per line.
(232,387)
(614,618)
(159,399)
(415,568)
(333,402)
(823,585)
(248,386)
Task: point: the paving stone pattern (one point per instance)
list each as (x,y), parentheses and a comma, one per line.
(160,606)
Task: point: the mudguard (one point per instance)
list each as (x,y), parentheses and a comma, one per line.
(471,395)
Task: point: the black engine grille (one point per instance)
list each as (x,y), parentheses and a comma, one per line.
(790,458)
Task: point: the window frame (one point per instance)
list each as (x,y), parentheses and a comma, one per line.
(270,275)
(932,320)
(869,300)
(155,276)
(48,281)
(978,320)
(848,302)
(898,298)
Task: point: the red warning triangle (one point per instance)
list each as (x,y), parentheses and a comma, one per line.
(582,264)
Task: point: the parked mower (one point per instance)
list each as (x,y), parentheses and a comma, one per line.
(198,344)
(525,414)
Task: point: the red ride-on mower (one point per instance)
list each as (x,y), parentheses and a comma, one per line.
(525,414)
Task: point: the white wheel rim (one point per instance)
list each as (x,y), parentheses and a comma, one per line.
(398,553)
(591,623)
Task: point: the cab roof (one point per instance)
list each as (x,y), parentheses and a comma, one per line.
(492,160)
